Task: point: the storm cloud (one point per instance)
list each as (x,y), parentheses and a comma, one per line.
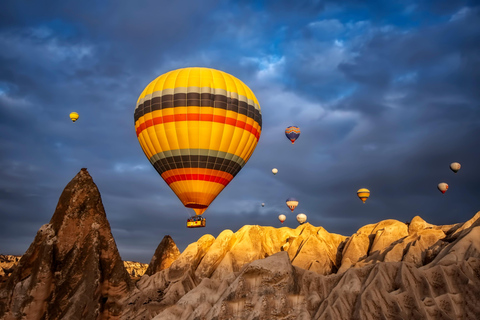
(385,93)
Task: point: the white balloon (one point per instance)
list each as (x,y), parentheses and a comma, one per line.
(455,166)
(442,187)
(301,218)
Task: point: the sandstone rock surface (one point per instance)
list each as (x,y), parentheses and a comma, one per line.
(165,254)
(135,269)
(444,287)
(7,265)
(72,270)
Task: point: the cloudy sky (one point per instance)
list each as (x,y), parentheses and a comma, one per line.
(386,94)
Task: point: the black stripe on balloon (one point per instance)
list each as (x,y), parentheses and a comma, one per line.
(203,162)
(198,99)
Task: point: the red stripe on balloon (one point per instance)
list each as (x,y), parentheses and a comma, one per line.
(203,177)
(198,117)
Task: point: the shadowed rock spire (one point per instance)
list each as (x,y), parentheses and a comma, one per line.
(72,270)
(166,253)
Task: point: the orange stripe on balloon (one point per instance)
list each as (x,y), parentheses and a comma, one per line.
(201,171)
(198,117)
(203,177)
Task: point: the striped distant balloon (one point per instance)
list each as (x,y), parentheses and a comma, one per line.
(363,194)
(74,116)
(292,203)
(292,133)
(198,127)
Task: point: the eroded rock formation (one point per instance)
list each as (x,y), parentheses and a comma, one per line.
(395,272)
(8,264)
(72,270)
(135,269)
(164,255)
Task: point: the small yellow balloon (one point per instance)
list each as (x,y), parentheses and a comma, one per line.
(74,116)
(363,194)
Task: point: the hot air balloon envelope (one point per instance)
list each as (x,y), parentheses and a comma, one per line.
(301,218)
(282,218)
(455,166)
(274,171)
(292,203)
(292,133)
(443,187)
(363,194)
(74,116)
(198,127)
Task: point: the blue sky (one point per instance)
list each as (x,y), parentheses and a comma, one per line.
(385,93)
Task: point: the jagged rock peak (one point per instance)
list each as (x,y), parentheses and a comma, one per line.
(80,198)
(72,270)
(165,254)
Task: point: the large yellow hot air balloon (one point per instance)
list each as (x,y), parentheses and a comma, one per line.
(74,116)
(198,127)
(363,194)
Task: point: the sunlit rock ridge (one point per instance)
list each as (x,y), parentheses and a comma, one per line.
(386,270)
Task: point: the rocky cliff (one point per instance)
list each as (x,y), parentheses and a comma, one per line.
(164,255)
(8,264)
(393,271)
(72,270)
(386,270)
(135,269)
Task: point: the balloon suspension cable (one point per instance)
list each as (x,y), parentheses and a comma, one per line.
(188,213)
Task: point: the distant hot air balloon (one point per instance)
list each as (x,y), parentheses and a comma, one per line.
(292,133)
(263,204)
(282,218)
(301,218)
(198,127)
(74,116)
(274,171)
(363,194)
(443,187)
(455,166)
(292,203)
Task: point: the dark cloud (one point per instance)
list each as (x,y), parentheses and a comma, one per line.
(385,93)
